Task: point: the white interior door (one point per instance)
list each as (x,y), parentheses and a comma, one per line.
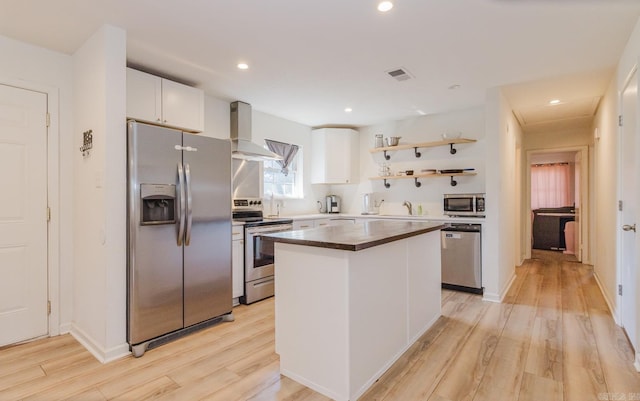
(23,215)
(628,187)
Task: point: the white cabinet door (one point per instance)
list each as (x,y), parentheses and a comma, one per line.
(182,106)
(322,222)
(144,96)
(341,221)
(23,219)
(160,101)
(335,156)
(303,224)
(237,262)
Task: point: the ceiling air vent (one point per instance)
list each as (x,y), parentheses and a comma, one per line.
(400,74)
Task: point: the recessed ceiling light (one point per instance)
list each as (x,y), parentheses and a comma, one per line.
(422,113)
(554,101)
(243,66)
(385,6)
(454,87)
(348,110)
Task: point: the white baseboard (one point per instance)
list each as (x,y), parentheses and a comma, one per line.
(65,328)
(636,364)
(614,311)
(495,297)
(102,355)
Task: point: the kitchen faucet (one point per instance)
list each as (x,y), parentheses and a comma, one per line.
(409,207)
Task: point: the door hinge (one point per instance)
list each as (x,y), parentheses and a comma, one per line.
(620,120)
(620,289)
(48,214)
(619,205)
(48,120)
(48,307)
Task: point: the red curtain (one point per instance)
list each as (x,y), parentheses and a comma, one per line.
(550,186)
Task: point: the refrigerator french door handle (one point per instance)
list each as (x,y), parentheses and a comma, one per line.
(182,204)
(187,174)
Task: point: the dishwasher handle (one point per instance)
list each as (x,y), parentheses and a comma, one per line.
(467,228)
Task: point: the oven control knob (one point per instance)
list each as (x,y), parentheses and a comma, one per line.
(258,202)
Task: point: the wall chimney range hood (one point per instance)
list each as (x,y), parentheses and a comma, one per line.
(241,145)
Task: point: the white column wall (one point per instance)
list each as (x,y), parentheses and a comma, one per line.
(606,196)
(99,319)
(499,257)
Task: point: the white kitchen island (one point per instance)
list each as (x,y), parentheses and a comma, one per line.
(350,300)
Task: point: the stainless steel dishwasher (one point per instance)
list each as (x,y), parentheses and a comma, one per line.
(462,257)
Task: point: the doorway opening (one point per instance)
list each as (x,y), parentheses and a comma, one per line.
(556,201)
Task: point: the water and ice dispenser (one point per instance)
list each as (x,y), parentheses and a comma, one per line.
(158,203)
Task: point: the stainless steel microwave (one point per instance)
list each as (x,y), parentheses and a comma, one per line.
(464,205)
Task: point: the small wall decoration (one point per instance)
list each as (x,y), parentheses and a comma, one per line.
(87,142)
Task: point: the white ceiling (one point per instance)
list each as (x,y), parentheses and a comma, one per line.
(311,59)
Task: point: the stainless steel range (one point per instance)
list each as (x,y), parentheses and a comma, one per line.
(258,253)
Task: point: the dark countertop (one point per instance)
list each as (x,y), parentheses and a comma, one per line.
(355,237)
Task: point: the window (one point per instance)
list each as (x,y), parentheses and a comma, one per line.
(550,185)
(283,182)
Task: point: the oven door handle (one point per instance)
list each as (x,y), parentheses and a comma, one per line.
(269,230)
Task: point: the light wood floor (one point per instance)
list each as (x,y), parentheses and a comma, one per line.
(552,339)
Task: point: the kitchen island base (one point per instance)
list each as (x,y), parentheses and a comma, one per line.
(344,317)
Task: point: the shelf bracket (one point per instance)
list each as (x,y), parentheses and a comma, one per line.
(418,183)
(452,150)
(386,184)
(453,182)
(386,156)
(418,154)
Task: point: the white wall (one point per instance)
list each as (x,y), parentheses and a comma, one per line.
(266,126)
(28,66)
(606,194)
(415,130)
(555,139)
(503,142)
(99,320)
(217,122)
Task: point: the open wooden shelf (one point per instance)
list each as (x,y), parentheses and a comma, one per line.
(416,177)
(416,146)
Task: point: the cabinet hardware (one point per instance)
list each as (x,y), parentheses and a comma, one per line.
(453,182)
(418,183)
(418,154)
(452,150)
(386,184)
(386,156)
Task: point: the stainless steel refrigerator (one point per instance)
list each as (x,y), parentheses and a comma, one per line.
(179,233)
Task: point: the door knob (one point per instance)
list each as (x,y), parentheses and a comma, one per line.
(627,227)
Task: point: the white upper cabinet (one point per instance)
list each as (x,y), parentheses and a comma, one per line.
(334,156)
(160,101)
